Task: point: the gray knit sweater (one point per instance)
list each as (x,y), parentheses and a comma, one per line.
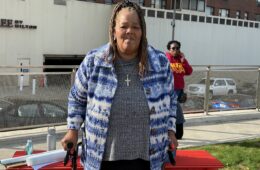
(128,131)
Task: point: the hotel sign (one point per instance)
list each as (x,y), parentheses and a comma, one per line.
(9,23)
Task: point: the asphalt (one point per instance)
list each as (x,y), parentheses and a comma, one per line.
(200,129)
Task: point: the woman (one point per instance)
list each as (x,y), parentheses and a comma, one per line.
(123,93)
(180,68)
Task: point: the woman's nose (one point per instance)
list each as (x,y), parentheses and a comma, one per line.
(129,30)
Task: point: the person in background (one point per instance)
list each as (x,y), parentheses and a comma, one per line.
(180,68)
(124,100)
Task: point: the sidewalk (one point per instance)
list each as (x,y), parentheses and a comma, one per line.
(217,127)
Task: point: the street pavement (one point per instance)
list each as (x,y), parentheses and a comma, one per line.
(200,129)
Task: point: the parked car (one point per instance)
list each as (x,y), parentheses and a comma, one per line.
(235,101)
(247,88)
(218,86)
(24,112)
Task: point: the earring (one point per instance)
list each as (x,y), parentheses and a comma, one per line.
(114,38)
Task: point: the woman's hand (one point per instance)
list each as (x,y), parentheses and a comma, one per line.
(70,136)
(173,141)
(182,56)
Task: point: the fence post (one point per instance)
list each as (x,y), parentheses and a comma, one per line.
(206,95)
(72,77)
(258,91)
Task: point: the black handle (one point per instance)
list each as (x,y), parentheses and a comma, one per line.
(68,155)
(72,156)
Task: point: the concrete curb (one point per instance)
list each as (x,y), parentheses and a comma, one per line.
(221,117)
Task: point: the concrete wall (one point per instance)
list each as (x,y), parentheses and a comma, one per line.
(208,43)
(73,28)
(78,26)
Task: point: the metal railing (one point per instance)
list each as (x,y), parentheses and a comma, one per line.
(48,87)
(241,74)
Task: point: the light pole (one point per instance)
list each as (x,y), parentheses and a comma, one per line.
(173,19)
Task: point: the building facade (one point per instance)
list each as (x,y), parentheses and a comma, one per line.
(240,9)
(61,32)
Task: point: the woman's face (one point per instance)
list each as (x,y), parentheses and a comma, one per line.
(128,33)
(174,49)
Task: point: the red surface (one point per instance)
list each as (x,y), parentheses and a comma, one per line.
(194,160)
(185,160)
(55,166)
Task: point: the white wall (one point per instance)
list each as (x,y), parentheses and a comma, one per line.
(208,43)
(80,26)
(72,29)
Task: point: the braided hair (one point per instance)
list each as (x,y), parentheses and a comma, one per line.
(142,51)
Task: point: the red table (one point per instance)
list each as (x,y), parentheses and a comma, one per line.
(185,160)
(54,166)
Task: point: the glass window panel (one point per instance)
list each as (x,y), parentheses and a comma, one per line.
(209,10)
(29,110)
(141,2)
(257,17)
(201,5)
(108,1)
(193,4)
(52,111)
(185,4)
(163,4)
(157,3)
(238,14)
(246,15)
(201,19)
(223,12)
(169,15)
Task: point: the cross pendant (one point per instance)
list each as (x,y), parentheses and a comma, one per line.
(127,80)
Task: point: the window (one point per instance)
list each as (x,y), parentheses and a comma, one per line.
(151,13)
(50,110)
(197,5)
(59,2)
(193,4)
(258,3)
(185,4)
(238,14)
(223,12)
(141,2)
(257,17)
(209,10)
(178,2)
(28,110)
(246,15)
(108,1)
(201,5)
(231,82)
(156,4)
(163,5)
(220,83)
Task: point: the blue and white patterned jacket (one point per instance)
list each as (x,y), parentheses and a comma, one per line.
(92,94)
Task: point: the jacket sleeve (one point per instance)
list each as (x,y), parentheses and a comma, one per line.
(173,100)
(77,100)
(187,67)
